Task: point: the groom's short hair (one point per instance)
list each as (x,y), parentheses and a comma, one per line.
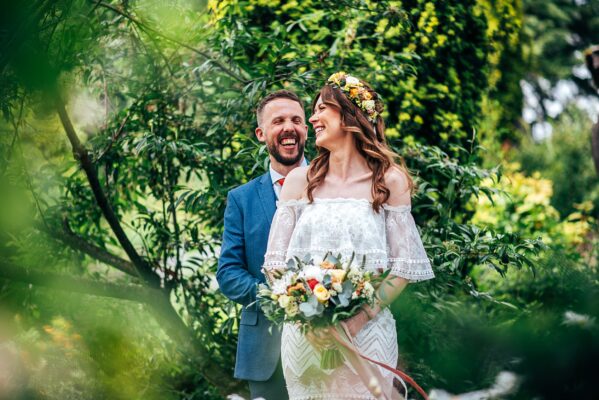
(279,94)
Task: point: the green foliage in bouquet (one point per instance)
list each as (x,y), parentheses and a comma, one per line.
(318,295)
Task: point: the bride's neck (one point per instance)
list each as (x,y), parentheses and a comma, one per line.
(347,164)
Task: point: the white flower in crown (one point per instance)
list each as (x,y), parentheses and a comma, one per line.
(352,81)
(369,105)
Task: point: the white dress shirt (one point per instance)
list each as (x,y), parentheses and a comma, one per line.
(275,176)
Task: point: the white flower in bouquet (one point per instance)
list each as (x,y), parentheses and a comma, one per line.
(312,272)
(368,289)
(284,301)
(355,275)
(279,286)
(337,275)
(337,287)
(292,309)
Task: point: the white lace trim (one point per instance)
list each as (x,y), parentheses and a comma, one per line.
(409,260)
(305,202)
(328,396)
(334,251)
(273,265)
(414,276)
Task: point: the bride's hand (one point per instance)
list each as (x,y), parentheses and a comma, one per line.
(357,322)
(320,338)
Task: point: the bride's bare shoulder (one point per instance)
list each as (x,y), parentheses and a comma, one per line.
(295,184)
(398,182)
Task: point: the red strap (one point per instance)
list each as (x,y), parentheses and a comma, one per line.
(399,373)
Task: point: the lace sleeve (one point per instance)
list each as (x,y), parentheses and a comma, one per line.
(281,229)
(405,253)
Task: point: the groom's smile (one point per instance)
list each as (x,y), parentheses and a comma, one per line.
(284,131)
(289,141)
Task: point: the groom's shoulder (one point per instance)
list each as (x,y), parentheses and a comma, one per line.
(246,189)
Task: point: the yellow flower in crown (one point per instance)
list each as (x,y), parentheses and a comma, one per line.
(336,78)
(355,90)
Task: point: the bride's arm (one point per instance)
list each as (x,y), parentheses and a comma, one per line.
(392,286)
(283,223)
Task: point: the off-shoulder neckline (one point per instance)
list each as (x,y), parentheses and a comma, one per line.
(304,202)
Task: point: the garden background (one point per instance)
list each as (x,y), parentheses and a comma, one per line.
(124,124)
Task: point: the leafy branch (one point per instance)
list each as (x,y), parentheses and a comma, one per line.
(149,30)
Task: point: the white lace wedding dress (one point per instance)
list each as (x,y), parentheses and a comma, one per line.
(389,240)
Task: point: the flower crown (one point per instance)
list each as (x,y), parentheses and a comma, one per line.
(357,92)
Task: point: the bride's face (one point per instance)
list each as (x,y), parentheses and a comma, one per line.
(326,122)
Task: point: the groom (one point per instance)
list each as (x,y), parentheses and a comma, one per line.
(248,215)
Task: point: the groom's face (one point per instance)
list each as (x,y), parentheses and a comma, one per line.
(284,131)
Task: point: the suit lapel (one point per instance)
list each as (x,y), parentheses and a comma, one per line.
(267,196)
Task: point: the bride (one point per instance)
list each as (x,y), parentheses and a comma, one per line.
(354,197)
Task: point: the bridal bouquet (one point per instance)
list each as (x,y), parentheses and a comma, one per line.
(318,295)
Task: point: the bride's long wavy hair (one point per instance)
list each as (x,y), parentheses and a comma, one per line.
(371,144)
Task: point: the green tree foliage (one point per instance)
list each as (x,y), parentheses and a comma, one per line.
(176,87)
(565,158)
(555,33)
(541,43)
(429,60)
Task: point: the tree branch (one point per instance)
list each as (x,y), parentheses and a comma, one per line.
(147,28)
(77,285)
(68,237)
(156,301)
(142,267)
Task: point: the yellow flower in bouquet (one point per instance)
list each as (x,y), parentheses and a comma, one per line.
(337,275)
(322,294)
(327,265)
(298,288)
(319,294)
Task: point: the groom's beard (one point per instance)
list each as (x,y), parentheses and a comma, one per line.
(287,161)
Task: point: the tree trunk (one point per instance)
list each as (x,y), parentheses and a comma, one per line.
(174,325)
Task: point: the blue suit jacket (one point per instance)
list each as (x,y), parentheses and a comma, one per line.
(248,215)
